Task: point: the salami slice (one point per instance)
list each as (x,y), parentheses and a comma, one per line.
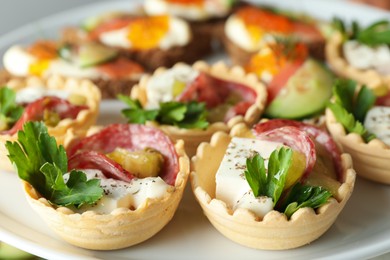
(321,136)
(95,160)
(214,91)
(35,111)
(295,138)
(132,137)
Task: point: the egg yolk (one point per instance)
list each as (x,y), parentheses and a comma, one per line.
(39,67)
(44,51)
(187,2)
(259,21)
(146,33)
(273,58)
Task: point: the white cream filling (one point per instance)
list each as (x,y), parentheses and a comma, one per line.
(377,121)
(365,57)
(120,194)
(33,93)
(179,34)
(231,184)
(159,88)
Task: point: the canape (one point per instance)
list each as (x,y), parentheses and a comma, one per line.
(206,18)
(228,94)
(99,200)
(112,74)
(361,54)
(63,104)
(298,85)
(262,208)
(362,129)
(152,41)
(250,27)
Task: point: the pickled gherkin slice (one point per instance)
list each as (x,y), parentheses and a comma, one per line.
(142,163)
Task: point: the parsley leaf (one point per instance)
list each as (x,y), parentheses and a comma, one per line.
(272,183)
(184,115)
(40,162)
(375,34)
(302,196)
(10,111)
(350,109)
(135,113)
(269,184)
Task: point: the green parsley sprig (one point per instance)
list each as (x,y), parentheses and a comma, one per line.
(375,34)
(40,162)
(351,109)
(272,183)
(10,111)
(184,115)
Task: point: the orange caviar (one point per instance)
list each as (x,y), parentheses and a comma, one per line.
(146,32)
(43,50)
(187,2)
(257,21)
(273,58)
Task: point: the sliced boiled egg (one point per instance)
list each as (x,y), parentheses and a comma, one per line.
(19,62)
(145,33)
(250,28)
(193,10)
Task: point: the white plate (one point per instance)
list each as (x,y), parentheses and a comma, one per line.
(361,231)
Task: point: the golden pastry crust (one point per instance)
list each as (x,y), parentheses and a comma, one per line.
(121,228)
(193,137)
(274,231)
(84,119)
(371,160)
(336,60)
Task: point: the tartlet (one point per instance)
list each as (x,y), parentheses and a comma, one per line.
(274,231)
(122,227)
(338,63)
(85,118)
(193,137)
(371,160)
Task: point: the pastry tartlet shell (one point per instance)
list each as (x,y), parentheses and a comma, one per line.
(370,160)
(121,228)
(84,119)
(336,60)
(274,231)
(193,137)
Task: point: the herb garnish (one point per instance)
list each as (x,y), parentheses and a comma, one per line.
(269,184)
(302,196)
(272,183)
(40,162)
(10,111)
(183,115)
(374,34)
(351,109)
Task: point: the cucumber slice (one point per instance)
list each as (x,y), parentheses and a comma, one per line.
(92,54)
(65,52)
(305,93)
